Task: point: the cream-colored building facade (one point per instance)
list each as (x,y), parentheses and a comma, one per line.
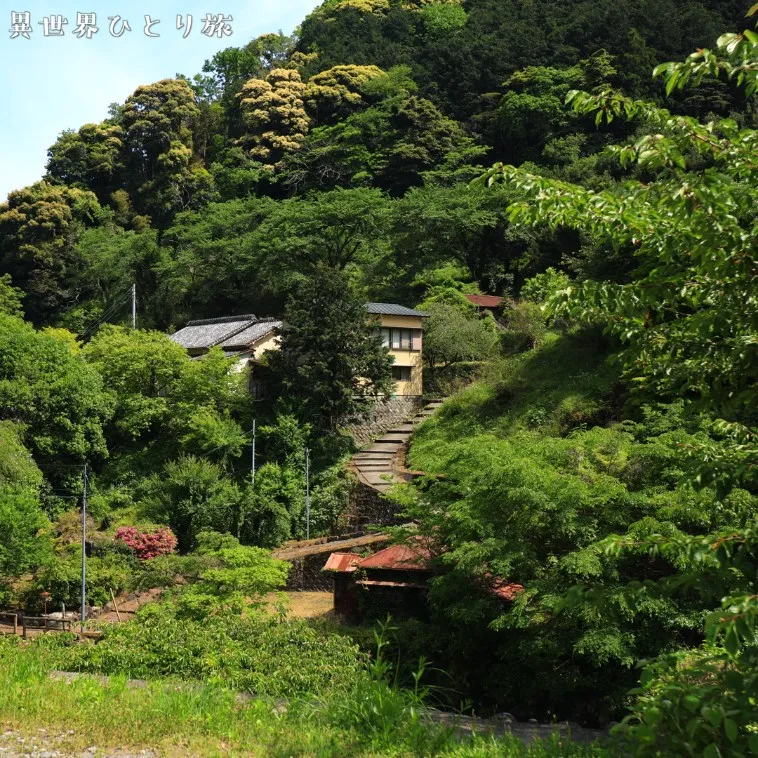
(402,331)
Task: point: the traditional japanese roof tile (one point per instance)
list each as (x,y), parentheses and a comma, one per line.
(392,309)
(228,332)
(252,334)
(485,301)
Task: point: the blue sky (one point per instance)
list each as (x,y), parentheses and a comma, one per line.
(57,83)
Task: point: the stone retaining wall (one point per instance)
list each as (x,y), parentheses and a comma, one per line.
(384,416)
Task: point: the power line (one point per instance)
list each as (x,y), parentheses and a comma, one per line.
(108,314)
(118,303)
(115,304)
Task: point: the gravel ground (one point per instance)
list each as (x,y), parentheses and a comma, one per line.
(45,744)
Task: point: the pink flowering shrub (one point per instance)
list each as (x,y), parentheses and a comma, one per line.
(147,545)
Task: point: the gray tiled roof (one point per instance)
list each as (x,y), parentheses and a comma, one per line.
(252,334)
(230,331)
(392,309)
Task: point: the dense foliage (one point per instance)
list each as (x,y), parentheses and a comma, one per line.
(605,456)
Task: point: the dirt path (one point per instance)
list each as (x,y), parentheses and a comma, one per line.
(54,744)
(127,606)
(303,605)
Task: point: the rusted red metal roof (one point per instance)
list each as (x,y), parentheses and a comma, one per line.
(506,590)
(485,301)
(414,557)
(342,562)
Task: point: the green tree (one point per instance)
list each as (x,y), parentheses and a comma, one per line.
(336,93)
(274,113)
(48,387)
(164,402)
(39,227)
(191,494)
(163,173)
(17,468)
(454,336)
(331,364)
(10,297)
(90,158)
(214,266)
(465,225)
(25,544)
(270,509)
(329,230)
(685,320)
(389,146)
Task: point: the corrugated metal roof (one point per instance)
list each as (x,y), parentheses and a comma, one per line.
(251,334)
(414,557)
(342,562)
(486,301)
(392,309)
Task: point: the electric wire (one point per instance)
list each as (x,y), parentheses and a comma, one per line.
(117,304)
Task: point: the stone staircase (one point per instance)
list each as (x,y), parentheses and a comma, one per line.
(382,463)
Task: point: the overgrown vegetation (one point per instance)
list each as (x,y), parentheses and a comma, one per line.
(603,458)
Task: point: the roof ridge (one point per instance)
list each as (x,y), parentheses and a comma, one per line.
(223,319)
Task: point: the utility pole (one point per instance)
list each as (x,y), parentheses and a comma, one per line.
(84,548)
(134,307)
(307,493)
(252,456)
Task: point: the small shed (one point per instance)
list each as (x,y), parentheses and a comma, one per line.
(342,566)
(394,580)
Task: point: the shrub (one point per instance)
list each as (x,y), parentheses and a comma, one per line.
(257,655)
(147,545)
(525,327)
(191,494)
(543,286)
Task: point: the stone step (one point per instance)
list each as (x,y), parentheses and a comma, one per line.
(373,457)
(402,429)
(383,447)
(432,406)
(394,438)
(378,478)
(374,468)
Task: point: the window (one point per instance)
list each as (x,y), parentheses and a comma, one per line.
(399,339)
(401,373)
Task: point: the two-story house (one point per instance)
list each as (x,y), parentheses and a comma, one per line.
(402,332)
(247,337)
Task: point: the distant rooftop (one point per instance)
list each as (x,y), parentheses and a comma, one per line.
(485,301)
(392,309)
(232,333)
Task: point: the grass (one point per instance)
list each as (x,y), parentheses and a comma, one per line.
(174,718)
(564,385)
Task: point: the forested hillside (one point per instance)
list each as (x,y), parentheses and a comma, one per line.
(213,191)
(592,162)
